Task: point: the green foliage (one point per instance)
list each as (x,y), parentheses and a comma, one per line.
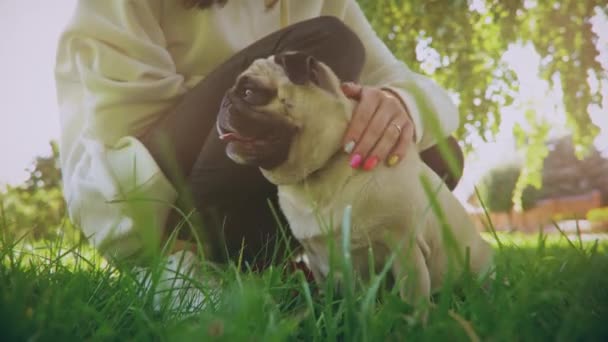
(533,144)
(36,210)
(563,174)
(467,47)
(462,47)
(496,189)
(46,173)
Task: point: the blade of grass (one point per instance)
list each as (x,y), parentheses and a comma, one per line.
(448,236)
(489,219)
(309,303)
(565,236)
(348,281)
(579,234)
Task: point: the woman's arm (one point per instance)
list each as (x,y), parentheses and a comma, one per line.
(114,77)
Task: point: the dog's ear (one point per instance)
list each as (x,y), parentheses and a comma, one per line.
(297,66)
(301,68)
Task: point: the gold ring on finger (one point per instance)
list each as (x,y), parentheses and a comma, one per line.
(397,127)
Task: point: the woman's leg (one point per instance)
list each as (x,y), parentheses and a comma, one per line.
(432,157)
(240,195)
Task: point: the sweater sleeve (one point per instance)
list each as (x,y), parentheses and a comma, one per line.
(114,77)
(427,103)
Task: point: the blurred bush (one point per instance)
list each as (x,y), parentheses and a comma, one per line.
(563,175)
(36,209)
(497,186)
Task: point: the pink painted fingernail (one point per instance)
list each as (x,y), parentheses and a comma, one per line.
(355,161)
(370,163)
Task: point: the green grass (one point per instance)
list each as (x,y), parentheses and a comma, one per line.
(546,288)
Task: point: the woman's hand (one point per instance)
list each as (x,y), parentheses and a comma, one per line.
(380,128)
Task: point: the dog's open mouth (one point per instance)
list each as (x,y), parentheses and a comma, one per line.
(252,136)
(234,136)
(231,135)
(249,132)
(248,142)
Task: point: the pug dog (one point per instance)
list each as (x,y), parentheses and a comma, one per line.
(287,115)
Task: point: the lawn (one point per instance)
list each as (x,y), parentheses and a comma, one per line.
(547,288)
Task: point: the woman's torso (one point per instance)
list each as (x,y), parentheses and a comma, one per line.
(200,40)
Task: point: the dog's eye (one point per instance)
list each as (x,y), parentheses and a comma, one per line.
(253,92)
(257,96)
(248,94)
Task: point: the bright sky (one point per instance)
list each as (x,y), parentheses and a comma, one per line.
(29,119)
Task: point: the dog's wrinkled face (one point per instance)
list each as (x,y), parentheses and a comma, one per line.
(276,110)
(253,135)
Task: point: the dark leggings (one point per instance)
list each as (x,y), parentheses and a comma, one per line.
(234,200)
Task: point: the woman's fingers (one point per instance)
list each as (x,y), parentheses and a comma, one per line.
(380,128)
(352,90)
(393,144)
(369,102)
(377,141)
(405,138)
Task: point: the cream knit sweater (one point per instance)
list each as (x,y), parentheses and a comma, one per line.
(123,64)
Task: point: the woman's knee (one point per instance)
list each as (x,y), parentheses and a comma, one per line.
(336,44)
(438,163)
(351,48)
(341,32)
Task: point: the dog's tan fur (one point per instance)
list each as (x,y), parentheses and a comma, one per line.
(390,209)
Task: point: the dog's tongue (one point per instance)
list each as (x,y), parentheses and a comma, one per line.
(232,136)
(228,136)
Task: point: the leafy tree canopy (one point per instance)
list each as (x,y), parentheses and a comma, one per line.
(461,44)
